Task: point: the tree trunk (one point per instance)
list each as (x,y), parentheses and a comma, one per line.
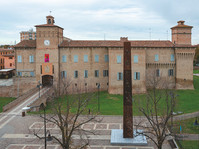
(160,146)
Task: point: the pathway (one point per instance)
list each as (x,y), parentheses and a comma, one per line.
(188,136)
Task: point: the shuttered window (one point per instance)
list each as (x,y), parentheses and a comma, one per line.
(119,76)
(64,58)
(119,59)
(135,58)
(136,75)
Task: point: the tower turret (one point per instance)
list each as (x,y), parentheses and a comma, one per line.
(181,33)
(50,20)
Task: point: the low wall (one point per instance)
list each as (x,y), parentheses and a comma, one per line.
(196,67)
(186,116)
(20,99)
(19,87)
(43,99)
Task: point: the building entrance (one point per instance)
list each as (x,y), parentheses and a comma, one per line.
(47,80)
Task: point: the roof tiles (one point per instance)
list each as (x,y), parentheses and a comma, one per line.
(114,43)
(26,44)
(104,43)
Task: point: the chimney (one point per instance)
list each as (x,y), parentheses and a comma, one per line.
(181,22)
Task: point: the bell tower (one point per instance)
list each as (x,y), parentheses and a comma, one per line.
(49,36)
(181,33)
(50,20)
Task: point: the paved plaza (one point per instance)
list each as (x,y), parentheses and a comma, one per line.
(17,132)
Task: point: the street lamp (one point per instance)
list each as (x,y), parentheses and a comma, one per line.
(38,86)
(49,138)
(98,86)
(172,105)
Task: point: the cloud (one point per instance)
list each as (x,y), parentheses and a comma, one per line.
(91,19)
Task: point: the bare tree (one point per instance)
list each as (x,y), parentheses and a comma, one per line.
(158,111)
(70,112)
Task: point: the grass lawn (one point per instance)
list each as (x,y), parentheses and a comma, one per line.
(186,144)
(195,71)
(4,101)
(187,126)
(187,101)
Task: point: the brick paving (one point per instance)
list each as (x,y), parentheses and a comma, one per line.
(23,125)
(24,146)
(100,141)
(23,138)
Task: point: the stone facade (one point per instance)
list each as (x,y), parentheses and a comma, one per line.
(86,64)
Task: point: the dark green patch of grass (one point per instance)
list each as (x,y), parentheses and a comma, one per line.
(187,144)
(187,126)
(195,71)
(4,101)
(187,101)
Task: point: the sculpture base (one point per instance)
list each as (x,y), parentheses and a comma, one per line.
(117,138)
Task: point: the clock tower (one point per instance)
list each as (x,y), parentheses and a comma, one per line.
(49,36)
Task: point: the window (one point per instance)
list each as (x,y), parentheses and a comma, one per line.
(64,58)
(75,58)
(119,59)
(136,75)
(46,58)
(96,73)
(76,74)
(170,72)
(172,57)
(98,85)
(96,58)
(85,73)
(106,59)
(135,58)
(10,57)
(19,60)
(105,73)
(119,76)
(41,69)
(49,21)
(19,73)
(85,58)
(10,64)
(157,72)
(31,58)
(32,74)
(63,74)
(156,57)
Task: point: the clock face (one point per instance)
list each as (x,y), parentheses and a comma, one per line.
(47,69)
(47,42)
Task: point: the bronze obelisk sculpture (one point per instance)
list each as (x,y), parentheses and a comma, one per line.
(127,93)
(127,136)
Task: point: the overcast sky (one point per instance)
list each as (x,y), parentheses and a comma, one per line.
(99,19)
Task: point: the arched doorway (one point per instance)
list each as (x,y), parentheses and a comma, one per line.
(47,80)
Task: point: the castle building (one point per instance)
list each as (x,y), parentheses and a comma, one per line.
(52,58)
